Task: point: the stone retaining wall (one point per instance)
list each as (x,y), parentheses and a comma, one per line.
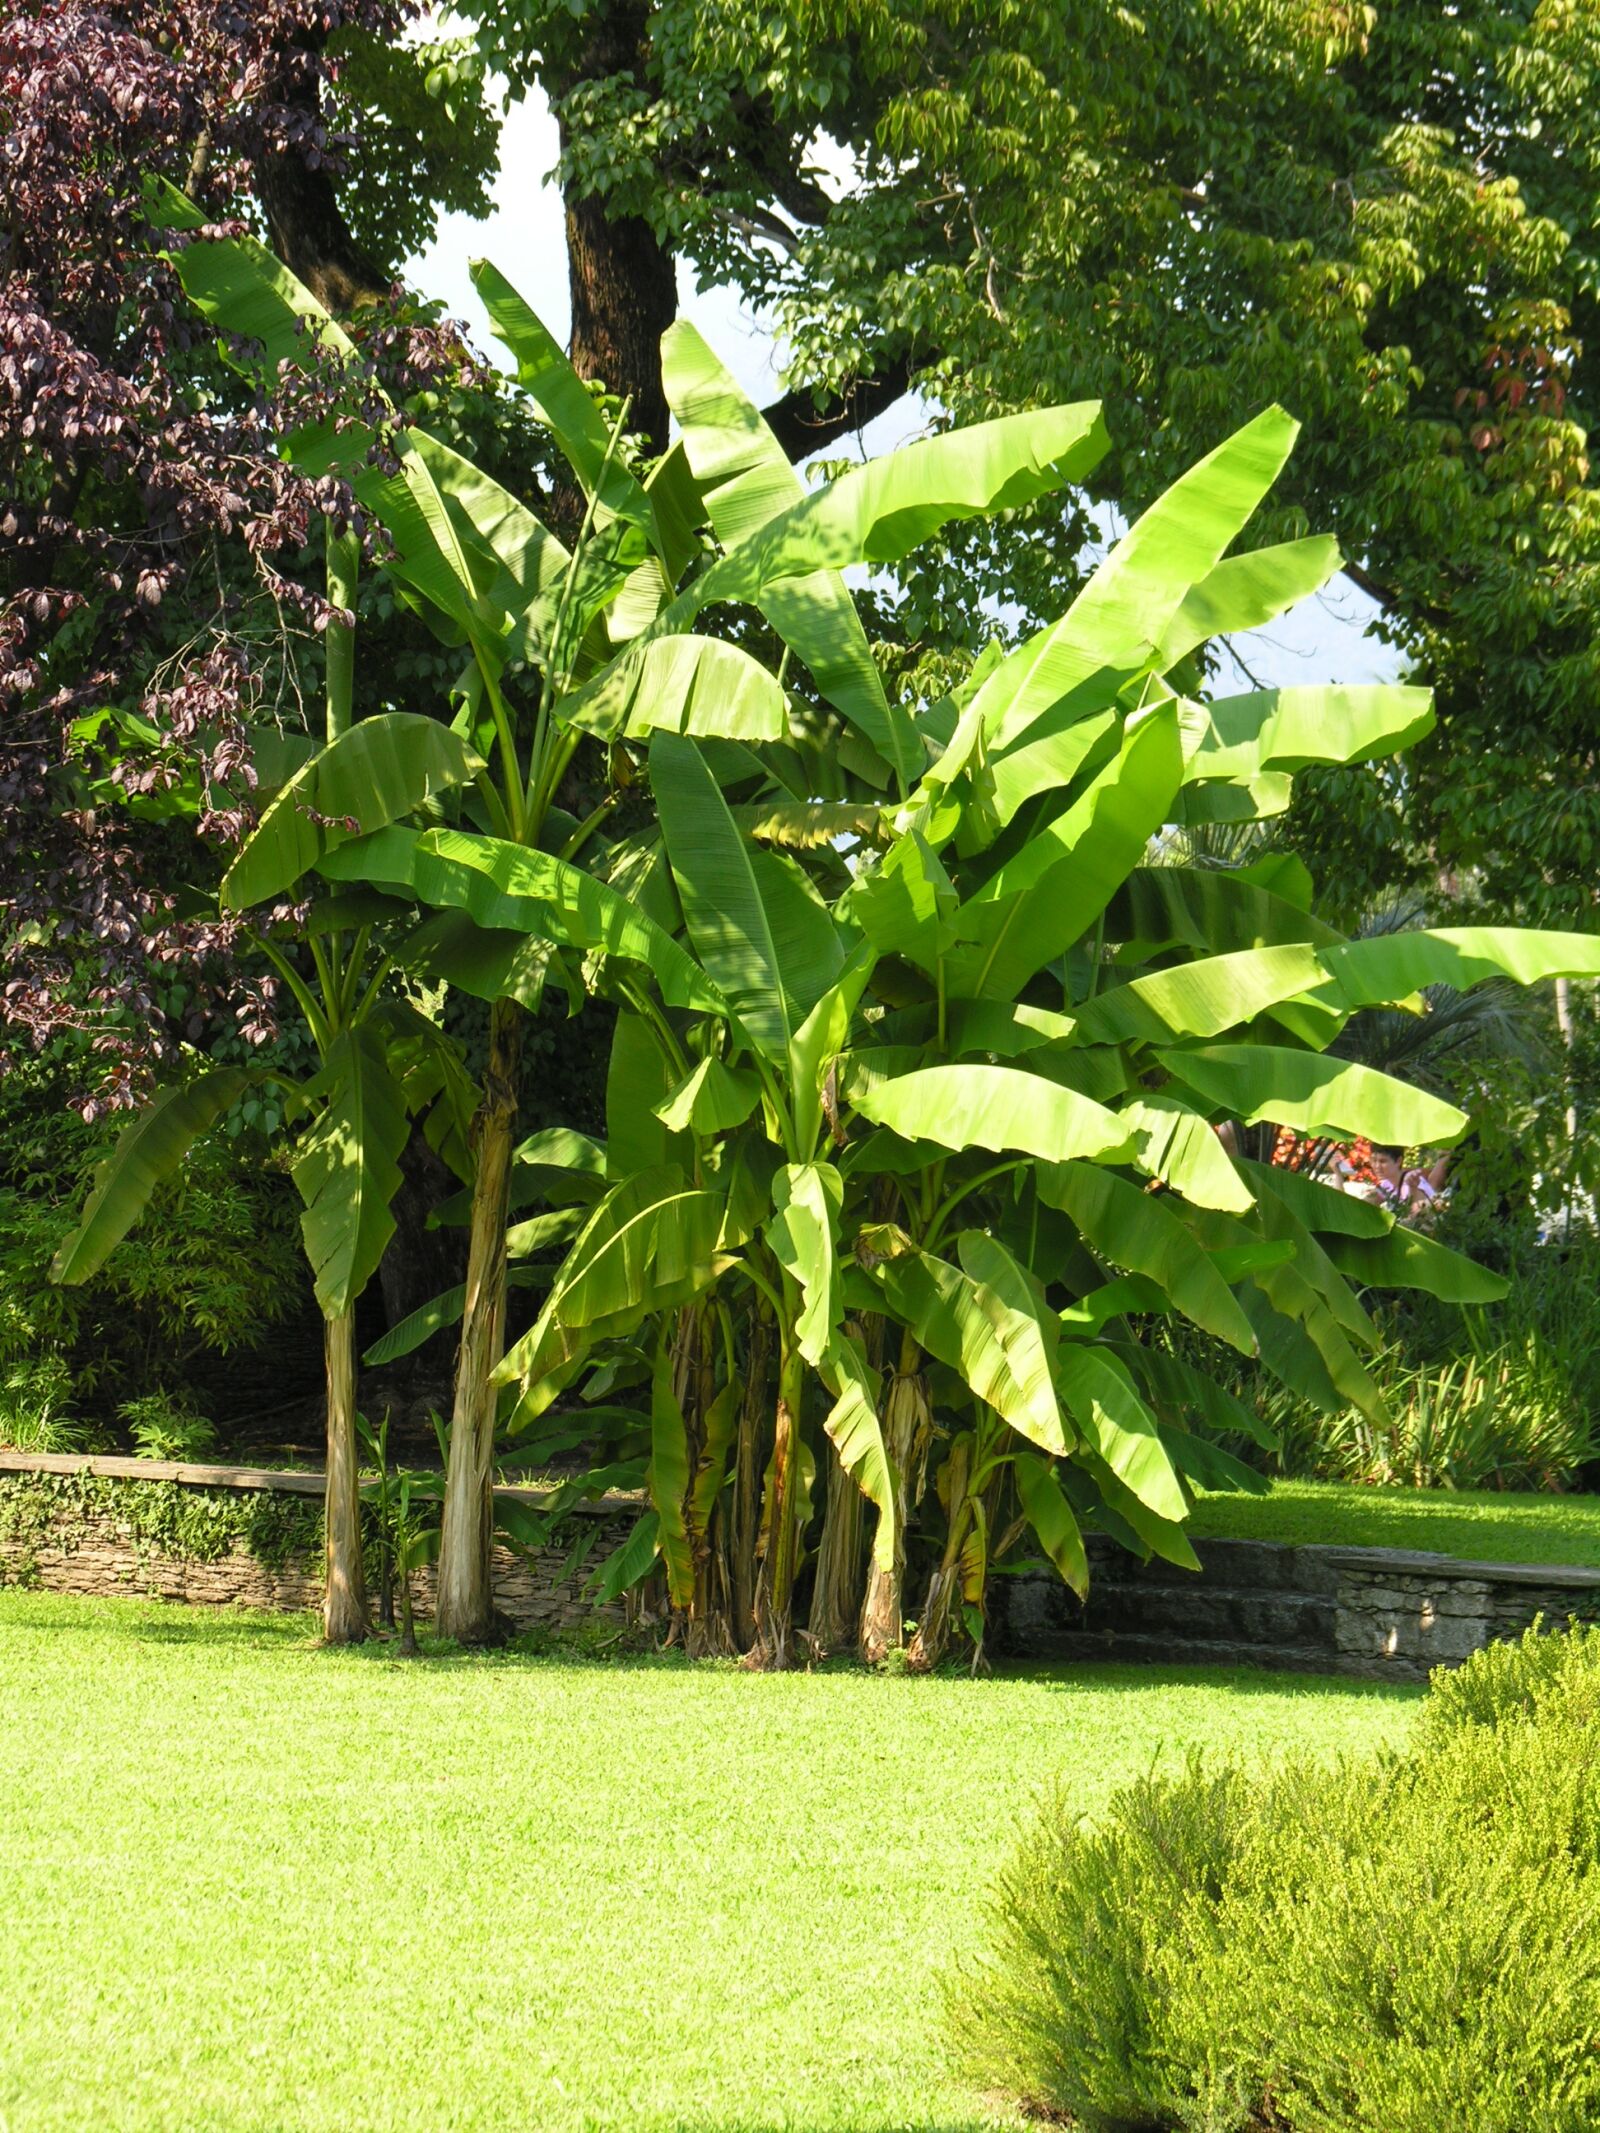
(1375,1613)
(90,1543)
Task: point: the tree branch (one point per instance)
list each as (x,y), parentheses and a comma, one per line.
(1385,595)
(802,428)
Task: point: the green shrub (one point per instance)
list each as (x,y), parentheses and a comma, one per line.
(1503,1396)
(164,1427)
(1061,2011)
(214,1264)
(1390,1947)
(1558,1671)
(36,1406)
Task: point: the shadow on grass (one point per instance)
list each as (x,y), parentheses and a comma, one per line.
(146,1621)
(1091,1676)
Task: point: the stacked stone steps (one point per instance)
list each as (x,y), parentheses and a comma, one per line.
(1251,1605)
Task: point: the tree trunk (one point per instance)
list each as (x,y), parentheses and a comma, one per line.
(344,1607)
(624,281)
(774,1645)
(933,1629)
(907,1429)
(836,1598)
(838,1595)
(708,1629)
(466,1589)
(296,189)
(749,1459)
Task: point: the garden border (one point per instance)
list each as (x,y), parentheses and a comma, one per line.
(74,1535)
(1372,1613)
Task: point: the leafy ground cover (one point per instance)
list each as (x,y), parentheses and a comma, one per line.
(248,1884)
(1483,1526)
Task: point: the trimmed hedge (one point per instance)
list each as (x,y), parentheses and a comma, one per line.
(1389,1947)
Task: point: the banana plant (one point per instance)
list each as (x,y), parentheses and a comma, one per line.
(1058,1025)
(1083,1019)
(381,1062)
(597,641)
(729,1199)
(1055,1025)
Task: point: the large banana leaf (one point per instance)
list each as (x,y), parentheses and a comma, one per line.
(1210,910)
(746,481)
(1132,1229)
(639,1080)
(628,1561)
(1007,1031)
(852,1424)
(651,1244)
(518,569)
(1181,1149)
(999,1352)
(1284,729)
(902,903)
(1404,1260)
(1047,757)
(575,420)
(242,288)
(710,1098)
(238,284)
(1050,1515)
(807,825)
(1097,1491)
(879,512)
(1307,1271)
(1208,1466)
(503,884)
(347,1168)
(498,963)
(822,1037)
(432,1317)
(764,942)
(536,1235)
(1321,1206)
(1001,1108)
(806,1202)
(1199,999)
(1047,897)
(149,1149)
(376,772)
(1101,1399)
(688,684)
(1179,1392)
(1314,1094)
(1391,966)
(1117,623)
(1245,591)
(418,1326)
(1308,1353)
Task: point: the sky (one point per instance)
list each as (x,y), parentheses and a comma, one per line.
(1323,640)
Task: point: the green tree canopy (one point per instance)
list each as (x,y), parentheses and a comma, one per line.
(1381,216)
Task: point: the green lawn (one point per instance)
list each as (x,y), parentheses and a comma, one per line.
(1476,1525)
(248,1884)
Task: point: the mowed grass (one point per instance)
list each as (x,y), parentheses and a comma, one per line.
(249,1884)
(1483,1526)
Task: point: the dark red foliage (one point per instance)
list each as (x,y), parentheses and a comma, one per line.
(147,519)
